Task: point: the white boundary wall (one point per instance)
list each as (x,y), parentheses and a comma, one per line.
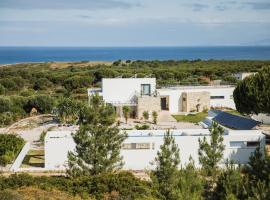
(17,163)
(58,144)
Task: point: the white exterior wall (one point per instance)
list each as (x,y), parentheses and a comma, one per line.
(57,145)
(139,159)
(122,90)
(262,117)
(175,96)
(243,75)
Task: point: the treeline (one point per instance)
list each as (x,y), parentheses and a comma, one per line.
(22,86)
(74,78)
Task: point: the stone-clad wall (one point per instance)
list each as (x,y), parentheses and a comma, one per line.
(195,101)
(148,103)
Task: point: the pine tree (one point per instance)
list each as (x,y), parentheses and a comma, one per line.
(165,175)
(257,175)
(190,185)
(98,142)
(230,183)
(210,154)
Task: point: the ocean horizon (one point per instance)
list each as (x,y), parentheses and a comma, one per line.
(11,55)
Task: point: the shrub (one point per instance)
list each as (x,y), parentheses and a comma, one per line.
(8,84)
(76,82)
(6,118)
(42,84)
(43,104)
(10,146)
(2,89)
(5,104)
(142,127)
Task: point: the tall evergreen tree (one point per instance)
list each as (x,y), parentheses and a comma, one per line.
(190,184)
(98,142)
(230,183)
(165,175)
(210,153)
(252,95)
(257,175)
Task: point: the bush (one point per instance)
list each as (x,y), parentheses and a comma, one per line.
(142,127)
(10,146)
(2,89)
(122,185)
(76,82)
(8,84)
(5,104)
(6,118)
(42,84)
(43,104)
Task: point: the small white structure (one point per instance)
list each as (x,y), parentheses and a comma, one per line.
(57,144)
(141,146)
(242,75)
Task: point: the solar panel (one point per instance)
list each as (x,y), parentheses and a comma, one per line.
(235,121)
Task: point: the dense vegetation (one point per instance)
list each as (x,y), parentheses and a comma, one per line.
(252,95)
(167,181)
(40,85)
(10,146)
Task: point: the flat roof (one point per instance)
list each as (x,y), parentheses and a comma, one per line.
(196,87)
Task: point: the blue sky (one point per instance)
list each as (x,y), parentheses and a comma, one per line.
(134,22)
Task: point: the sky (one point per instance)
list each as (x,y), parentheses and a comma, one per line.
(134,22)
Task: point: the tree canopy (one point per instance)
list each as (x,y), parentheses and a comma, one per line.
(252,95)
(98,142)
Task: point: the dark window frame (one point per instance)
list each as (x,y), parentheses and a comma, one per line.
(142,89)
(217,97)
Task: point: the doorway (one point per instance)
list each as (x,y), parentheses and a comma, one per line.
(164,103)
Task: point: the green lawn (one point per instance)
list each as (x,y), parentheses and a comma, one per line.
(192,118)
(34,158)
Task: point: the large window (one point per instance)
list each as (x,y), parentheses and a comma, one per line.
(146,89)
(217,97)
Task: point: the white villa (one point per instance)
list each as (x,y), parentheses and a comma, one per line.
(142,95)
(141,146)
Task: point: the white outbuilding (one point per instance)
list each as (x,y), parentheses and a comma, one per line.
(140,147)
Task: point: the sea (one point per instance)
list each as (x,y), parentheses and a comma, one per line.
(11,55)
